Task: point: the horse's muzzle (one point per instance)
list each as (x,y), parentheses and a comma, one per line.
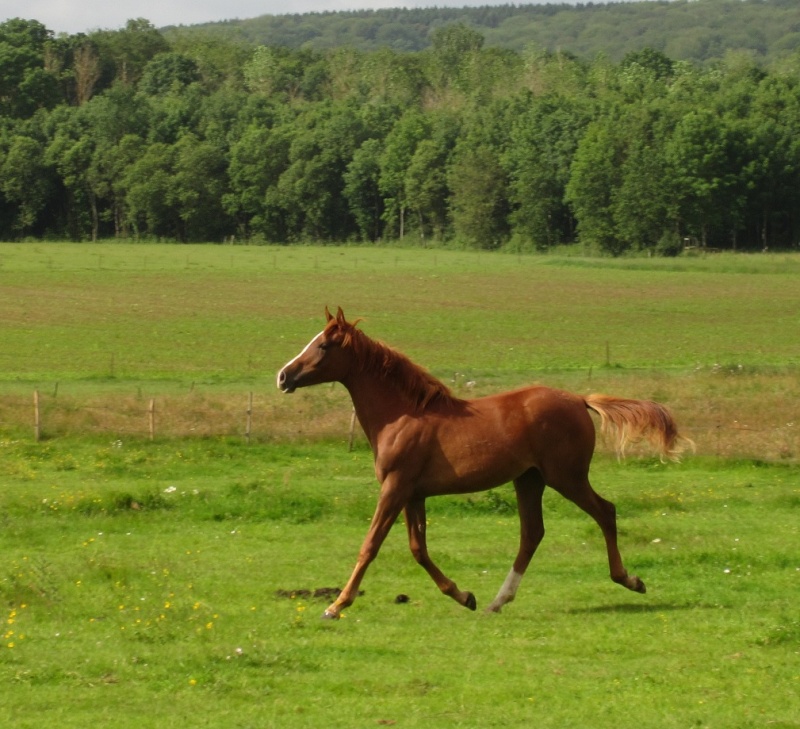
(284,383)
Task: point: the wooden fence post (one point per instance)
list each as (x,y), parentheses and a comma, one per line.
(249,417)
(352,430)
(152,418)
(37,432)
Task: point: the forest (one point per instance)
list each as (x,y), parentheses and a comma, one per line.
(693,30)
(144,134)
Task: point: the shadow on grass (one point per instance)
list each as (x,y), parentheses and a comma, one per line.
(642,609)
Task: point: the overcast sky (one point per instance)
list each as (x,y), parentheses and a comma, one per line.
(76,16)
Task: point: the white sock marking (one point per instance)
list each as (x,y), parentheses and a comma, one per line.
(507,592)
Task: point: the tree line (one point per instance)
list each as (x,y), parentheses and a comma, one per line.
(695,30)
(130,134)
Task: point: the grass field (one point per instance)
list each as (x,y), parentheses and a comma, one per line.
(148,583)
(231,313)
(140,583)
(101,330)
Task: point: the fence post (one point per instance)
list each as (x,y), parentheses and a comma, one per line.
(352,430)
(37,432)
(249,417)
(152,418)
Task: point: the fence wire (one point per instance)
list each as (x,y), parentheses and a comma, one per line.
(327,415)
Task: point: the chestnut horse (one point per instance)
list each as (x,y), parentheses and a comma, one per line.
(428,442)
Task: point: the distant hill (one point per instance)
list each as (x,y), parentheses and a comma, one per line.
(696,30)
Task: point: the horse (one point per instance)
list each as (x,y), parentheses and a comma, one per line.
(427,442)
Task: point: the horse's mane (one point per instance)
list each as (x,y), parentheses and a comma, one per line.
(374,357)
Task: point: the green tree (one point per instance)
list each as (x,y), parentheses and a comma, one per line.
(544,136)
(310,191)
(25,84)
(198,188)
(650,61)
(707,154)
(148,186)
(257,160)
(111,125)
(125,53)
(219,63)
(173,114)
(362,189)
(772,128)
(70,153)
(168,73)
(642,206)
(108,175)
(478,181)
(394,78)
(399,149)
(25,182)
(426,188)
(291,75)
(478,201)
(493,73)
(594,175)
(454,48)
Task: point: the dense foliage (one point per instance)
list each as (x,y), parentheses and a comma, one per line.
(690,30)
(132,133)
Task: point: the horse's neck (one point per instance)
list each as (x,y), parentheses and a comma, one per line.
(377,404)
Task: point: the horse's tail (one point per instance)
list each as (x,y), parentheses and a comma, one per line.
(628,421)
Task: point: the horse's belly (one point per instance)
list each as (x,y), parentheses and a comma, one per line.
(472,464)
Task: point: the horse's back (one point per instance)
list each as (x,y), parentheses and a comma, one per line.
(540,406)
(553,425)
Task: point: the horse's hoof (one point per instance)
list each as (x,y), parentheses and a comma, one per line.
(328,615)
(471,602)
(632,582)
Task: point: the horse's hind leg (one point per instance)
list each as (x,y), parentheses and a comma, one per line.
(417,541)
(604,513)
(529,488)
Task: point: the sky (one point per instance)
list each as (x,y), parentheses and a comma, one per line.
(82,16)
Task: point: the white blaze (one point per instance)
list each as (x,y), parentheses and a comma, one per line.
(294,359)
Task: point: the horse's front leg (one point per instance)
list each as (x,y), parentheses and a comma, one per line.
(416,524)
(389,506)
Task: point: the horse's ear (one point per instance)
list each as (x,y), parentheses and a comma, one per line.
(340,316)
(328,315)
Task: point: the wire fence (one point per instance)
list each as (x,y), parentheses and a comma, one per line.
(194,414)
(327,413)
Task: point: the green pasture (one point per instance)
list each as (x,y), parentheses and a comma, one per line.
(150,585)
(171,582)
(236,313)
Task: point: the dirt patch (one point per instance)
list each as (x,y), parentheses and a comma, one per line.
(320,593)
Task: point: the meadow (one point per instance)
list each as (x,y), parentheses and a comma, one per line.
(102,330)
(154,583)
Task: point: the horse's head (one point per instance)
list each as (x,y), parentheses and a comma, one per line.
(326,358)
